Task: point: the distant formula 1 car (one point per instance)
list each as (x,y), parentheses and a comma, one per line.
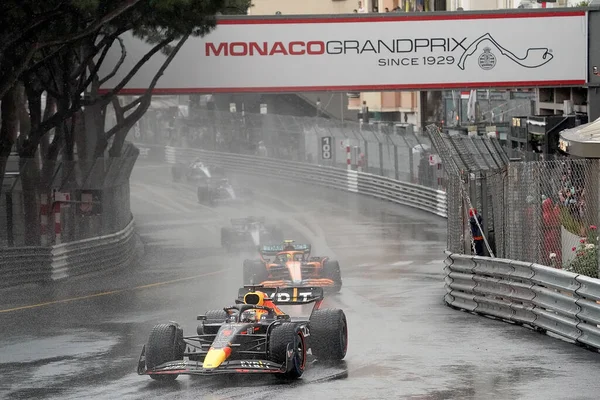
(215,191)
(249,233)
(196,172)
(292,266)
(253,336)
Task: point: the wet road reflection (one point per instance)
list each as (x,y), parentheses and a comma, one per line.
(404,343)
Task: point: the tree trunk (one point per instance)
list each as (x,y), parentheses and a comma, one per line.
(9,128)
(118,142)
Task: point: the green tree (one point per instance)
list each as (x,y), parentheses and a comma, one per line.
(56,48)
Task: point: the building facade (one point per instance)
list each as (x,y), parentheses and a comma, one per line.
(409,107)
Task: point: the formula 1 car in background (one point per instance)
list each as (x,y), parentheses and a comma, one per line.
(253,336)
(215,191)
(196,172)
(292,266)
(249,233)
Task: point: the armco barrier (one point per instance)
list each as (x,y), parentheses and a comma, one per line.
(24,265)
(423,198)
(544,298)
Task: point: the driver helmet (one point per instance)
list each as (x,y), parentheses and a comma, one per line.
(253,315)
(249,316)
(289,257)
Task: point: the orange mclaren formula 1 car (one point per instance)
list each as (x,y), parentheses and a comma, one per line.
(253,336)
(292,266)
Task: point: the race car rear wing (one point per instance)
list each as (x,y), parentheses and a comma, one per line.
(273,249)
(248,220)
(286,296)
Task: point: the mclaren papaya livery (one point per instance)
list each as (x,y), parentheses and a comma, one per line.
(249,233)
(253,336)
(215,191)
(292,265)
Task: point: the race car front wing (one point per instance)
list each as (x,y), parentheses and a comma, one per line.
(183,367)
(316,282)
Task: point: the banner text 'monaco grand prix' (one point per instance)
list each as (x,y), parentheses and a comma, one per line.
(426,51)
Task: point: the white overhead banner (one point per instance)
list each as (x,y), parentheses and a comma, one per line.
(371,52)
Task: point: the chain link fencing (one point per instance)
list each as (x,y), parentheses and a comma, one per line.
(58,201)
(544,212)
(397,151)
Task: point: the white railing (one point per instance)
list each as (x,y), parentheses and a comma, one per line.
(416,196)
(23,265)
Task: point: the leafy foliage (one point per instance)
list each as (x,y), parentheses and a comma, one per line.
(570,223)
(586,258)
(57,47)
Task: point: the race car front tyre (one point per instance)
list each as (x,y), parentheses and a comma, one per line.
(165,344)
(331,270)
(255,272)
(281,336)
(328,334)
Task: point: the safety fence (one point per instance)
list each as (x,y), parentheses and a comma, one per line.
(547,299)
(46,202)
(33,265)
(416,196)
(394,150)
(537,211)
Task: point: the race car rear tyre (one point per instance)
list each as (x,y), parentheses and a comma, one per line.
(331,270)
(177,171)
(255,272)
(226,238)
(165,344)
(328,334)
(275,234)
(205,196)
(216,316)
(212,317)
(281,336)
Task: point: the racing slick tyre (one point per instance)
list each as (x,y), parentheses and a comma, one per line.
(328,334)
(165,344)
(281,336)
(331,270)
(275,234)
(226,238)
(212,317)
(206,197)
(177,172)
(255,272)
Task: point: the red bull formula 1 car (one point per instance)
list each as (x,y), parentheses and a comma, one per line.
(252,336)
(291,266)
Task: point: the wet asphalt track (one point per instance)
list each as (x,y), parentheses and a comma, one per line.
(82,339)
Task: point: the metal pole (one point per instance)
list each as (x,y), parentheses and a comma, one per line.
(9,219)
(44,218)
(381,159)
(342,108)
(396,168)
(57,226)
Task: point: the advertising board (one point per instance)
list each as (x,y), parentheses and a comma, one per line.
(379,52)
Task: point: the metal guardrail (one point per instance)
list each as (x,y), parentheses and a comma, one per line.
(23,265)
(416,196)
(544,298)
